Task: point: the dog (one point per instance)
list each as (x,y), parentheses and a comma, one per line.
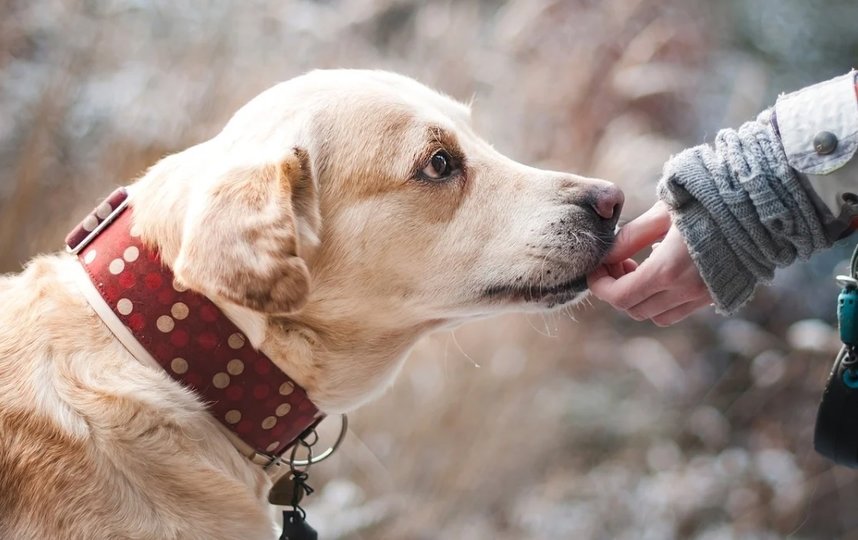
(336,219)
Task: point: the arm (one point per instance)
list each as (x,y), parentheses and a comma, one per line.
(764,195)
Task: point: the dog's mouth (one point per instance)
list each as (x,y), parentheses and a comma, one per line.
(552,295)
(536,291)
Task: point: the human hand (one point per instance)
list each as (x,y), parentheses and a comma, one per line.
(666,287)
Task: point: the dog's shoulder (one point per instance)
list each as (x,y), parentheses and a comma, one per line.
(86,431)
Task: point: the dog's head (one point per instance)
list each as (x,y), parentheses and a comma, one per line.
(361,209)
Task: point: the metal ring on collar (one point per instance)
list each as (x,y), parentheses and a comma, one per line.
(344,428)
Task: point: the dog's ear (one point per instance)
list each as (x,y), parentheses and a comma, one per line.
(242,240)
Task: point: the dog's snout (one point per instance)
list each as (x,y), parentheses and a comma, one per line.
(604,199)
(608,202)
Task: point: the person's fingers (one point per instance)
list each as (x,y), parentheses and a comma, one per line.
(679,313)
(600,281)
(615,270)
(601,272)
(618,270)
(627,291)
(687,287)
(640,233)
(658,303)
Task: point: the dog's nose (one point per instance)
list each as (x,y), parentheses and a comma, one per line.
(608,202)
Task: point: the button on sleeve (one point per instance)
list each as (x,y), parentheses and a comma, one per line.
(819,125)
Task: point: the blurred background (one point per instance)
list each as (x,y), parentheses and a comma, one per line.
(538,427)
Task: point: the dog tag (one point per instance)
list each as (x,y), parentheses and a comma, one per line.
(284,492)
(296,528)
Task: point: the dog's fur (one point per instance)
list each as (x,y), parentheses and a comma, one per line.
(309,221)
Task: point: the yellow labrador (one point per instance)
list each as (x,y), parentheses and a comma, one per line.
(336,219)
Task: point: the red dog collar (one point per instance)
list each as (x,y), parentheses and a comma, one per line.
(188,336)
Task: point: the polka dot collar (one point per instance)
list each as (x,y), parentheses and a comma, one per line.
(187,335)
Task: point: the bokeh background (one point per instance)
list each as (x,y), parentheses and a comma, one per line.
(538,427)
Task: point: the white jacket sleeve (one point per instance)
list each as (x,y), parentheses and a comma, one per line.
(818,127)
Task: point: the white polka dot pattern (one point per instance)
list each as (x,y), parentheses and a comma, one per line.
(131,254)
(193,340)
(90,223)
(236,341)
(81,233)
(179,311)
(220,380)
(103,210)
(124,306)
(179,365)
(116,266)
(165,324)
(235,367)
(179,287)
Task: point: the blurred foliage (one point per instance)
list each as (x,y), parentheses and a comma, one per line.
(604,428)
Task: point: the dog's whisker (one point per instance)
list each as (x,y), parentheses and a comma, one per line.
(459,346)
(568,310)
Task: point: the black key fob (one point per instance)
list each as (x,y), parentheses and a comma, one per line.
(295,527)
(836,432)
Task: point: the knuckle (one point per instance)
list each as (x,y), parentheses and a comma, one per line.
(636,315)
(624,305)
(688,294)
(625,300)
(664,320)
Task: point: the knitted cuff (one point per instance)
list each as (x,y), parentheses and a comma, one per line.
(741,210)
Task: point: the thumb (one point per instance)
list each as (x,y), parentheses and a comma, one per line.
(640,233)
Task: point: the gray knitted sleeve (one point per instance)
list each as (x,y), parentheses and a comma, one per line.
(742,210)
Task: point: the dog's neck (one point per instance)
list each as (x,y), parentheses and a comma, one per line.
(344,363)
(167,326)
(317,346)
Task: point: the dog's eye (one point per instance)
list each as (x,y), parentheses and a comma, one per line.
(440,166)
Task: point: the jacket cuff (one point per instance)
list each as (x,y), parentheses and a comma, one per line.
(819,125)
(818,128)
